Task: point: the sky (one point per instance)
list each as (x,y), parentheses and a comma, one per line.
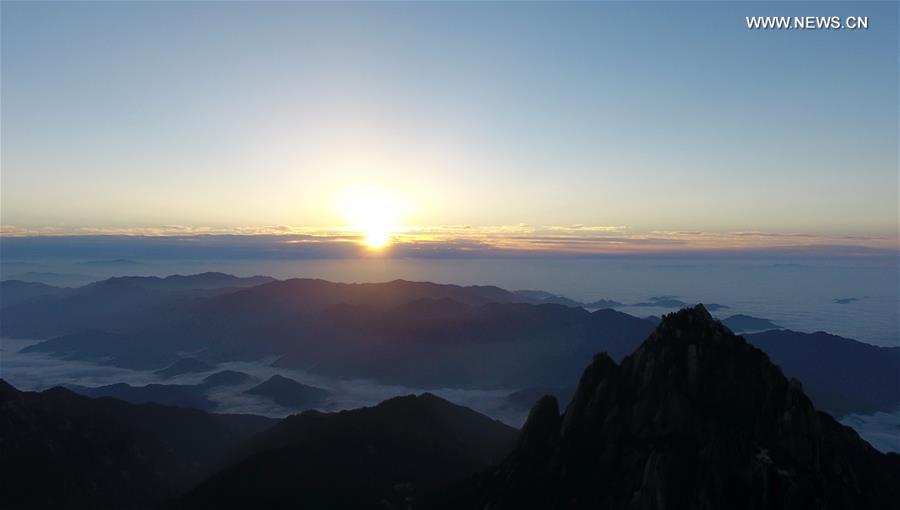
(547,127)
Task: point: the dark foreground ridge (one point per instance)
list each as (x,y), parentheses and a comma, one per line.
(695,418)
(386,456)
(62,450)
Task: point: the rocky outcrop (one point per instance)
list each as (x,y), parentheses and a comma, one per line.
(695,418)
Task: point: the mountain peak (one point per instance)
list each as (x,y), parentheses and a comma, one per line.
(693,418)
(289,393)
(541,425)
(694,324)
(384,456)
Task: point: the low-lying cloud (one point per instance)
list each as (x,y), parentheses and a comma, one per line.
(40,371)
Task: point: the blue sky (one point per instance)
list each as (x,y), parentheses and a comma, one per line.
(643,119)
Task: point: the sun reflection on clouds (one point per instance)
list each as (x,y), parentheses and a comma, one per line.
(376,220)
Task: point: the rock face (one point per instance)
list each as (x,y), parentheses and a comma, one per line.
(695,418)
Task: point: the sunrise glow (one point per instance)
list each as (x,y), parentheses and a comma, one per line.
(374,214)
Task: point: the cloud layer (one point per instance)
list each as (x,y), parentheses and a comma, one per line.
(286,242)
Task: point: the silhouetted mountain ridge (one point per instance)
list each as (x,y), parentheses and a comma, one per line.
(417,334)
(289,393)
(13,292)
(62,450)
(740,322)
(118,305)
(841,375)
(176,395)
(377,457)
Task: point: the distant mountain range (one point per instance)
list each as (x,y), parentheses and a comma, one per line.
(673,302)
(412,333)
(278,389)
(290,393)
(417,334)
(695,417)
(51,278)
(541,297)
(177,395)
(740,323)
(112,262)
(116,305)
(13,292)
(842,376)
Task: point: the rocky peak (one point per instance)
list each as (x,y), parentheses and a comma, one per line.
(541,428)
(694,418)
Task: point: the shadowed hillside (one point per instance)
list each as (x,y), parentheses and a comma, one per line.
(378,457)
(62,450)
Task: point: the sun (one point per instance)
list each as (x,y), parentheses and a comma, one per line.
(374,214)
(377,238)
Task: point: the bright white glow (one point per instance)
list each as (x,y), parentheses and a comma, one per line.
(374,213)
